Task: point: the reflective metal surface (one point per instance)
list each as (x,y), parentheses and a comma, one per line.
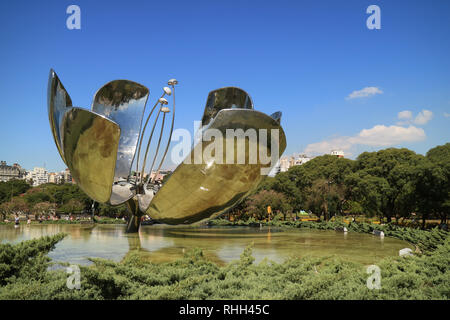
(225,98)
(90,143)
(166,91)
(145,199)
(276,116)
(123,102)
(121,192)
(58,102)
(195,192)
(99,148)
(148,145)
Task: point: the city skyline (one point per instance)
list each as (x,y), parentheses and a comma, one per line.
(40,175)
(338,84)
(50,171)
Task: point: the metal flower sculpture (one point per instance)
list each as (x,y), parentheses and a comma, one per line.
(100,146)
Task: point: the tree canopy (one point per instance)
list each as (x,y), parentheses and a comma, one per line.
(387,183)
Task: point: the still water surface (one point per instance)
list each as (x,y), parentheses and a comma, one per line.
(161,243)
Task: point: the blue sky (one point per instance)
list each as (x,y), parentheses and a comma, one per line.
(305,58)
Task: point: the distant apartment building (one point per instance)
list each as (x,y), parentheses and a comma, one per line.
(67,176)
(60,177)
(284,164)
(299,160)
(56,177)
(158,177)
(293,161)
(289,161)
(337,153)
(52,177)
(38,176)
(11,172)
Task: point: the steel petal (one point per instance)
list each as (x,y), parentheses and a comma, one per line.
(225,98)
(58,102)
(123,102)
(90,143)
(195,192)
(277,116)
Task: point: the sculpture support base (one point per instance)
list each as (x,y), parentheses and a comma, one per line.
(135,218)
(133,224)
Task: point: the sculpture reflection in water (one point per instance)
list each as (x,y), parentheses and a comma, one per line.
(101,147)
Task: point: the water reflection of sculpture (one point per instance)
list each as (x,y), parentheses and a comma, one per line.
(99,148)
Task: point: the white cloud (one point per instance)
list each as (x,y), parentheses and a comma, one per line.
(383,136)
(366,92)
(446,114)
(423,117)
(405,115)
(326,146)
(378,136)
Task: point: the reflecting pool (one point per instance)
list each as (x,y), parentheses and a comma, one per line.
(160,243)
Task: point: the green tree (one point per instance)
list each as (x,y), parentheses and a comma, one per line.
(16,206)
(325,197)
(256,205)
(43,208)
(12,188)
(388,183)
(112,211)
(431,191)
(393,170)
(353,207)
(5,210)
(37,195)
(72,206)
(440,157)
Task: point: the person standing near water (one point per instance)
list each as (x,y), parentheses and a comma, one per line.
(16,219)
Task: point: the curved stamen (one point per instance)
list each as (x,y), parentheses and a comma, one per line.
(170,137)
(142,136)
(157,148)
(148,145)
